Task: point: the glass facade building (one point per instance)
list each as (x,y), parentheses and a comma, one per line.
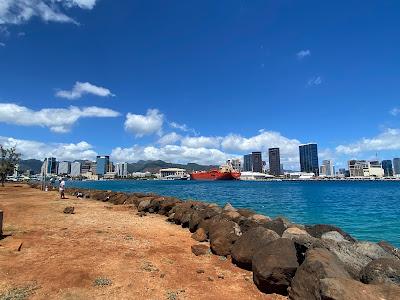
(274,161)
(102,163)
(247,163)
(257,162)
(309,158)
(396,166)
(387,167)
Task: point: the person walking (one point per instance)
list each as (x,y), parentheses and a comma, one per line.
(62,187)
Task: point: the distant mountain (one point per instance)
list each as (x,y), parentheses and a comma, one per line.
(30,164)
(154,166)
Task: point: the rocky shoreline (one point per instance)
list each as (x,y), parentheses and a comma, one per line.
(298,261)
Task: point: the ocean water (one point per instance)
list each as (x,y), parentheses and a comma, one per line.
(368,210)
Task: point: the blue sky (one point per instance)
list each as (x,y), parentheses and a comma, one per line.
(199,81)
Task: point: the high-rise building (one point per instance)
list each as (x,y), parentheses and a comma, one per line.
(102,164)
(274,161)
(76,168)
(49,166)
(396,166)
(247,163)
(387,167)
(64,168)
(257,162)
(327,168)
(309,158)
(86,166)
(121,169)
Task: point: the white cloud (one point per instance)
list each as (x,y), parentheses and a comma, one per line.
(57,119)
(38,150)
(389,139)
(171,153)
(141,125)
(21,11)
(303,53)
(2,44)
(201,141)
(169,139)
(182,127)
(314,81)
(395,111)
(84,88)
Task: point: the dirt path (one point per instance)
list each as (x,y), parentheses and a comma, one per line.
(105,252)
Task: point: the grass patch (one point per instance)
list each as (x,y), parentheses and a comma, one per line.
(100,281)
(19,293)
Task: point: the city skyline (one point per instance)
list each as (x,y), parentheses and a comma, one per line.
(150,91)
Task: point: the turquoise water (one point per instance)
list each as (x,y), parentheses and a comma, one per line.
(367,210)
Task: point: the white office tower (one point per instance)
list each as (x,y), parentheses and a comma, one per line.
(121,170)
(76,168)
(327,168)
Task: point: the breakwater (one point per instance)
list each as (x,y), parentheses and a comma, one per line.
(367,210)
(305,262)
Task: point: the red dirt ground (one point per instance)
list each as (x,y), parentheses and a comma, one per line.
(70,256)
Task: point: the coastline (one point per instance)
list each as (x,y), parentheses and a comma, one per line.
(241,234)
(105,251)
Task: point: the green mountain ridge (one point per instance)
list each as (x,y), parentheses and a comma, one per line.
(152,166)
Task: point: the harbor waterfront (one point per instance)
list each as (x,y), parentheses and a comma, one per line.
(368,210)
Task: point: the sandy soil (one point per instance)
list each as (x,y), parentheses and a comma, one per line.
(105,252)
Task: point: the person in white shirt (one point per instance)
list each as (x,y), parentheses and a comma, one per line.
(62,187)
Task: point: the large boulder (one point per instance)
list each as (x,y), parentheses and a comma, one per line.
(348,289)
(228,207)
(334,236)
(279,225)
(319,263)
(318,230)
(382,270)
(274,266)
(356,256)
(246,212)
(223,234)
(144,205)
(250,241)
(390,248)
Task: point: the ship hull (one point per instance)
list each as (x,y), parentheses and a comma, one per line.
(214,175)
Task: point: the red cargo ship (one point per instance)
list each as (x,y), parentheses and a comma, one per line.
(214,174)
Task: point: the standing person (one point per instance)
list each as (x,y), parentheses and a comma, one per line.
(62,187)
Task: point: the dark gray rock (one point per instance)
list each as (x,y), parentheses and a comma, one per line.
(348,289)
(318,230)
(223,234)
(319,263)
(356,256)
(382,270)
(144,205)
(390,248)
(274,266)
(250,241)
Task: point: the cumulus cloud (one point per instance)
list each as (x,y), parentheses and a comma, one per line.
(2,44)
(39,150)
(57,119)
(147,124)
(303,53)
(201,141)
(21,11)
(84,88)
(314,81)
(169,139)
(389,139)
(171,153)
